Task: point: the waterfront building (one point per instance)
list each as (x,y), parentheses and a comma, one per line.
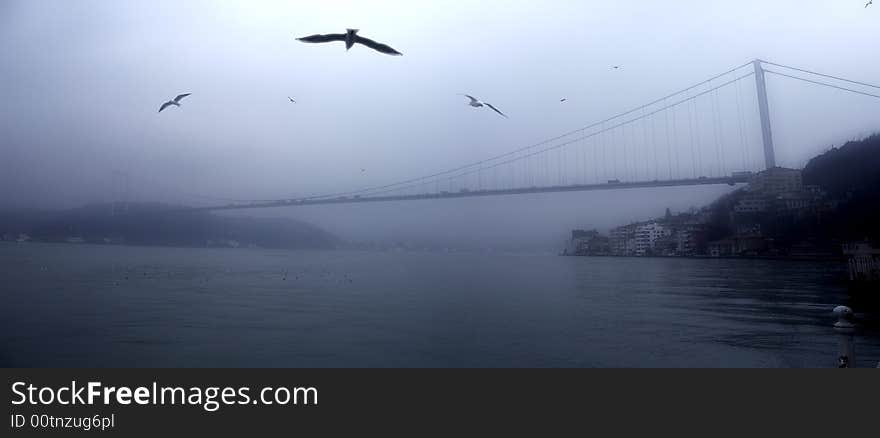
(590,242)
(622,240)
(722,248)
(646,236)
(775,181)
(689,237)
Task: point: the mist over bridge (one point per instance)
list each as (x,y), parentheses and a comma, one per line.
(717,131)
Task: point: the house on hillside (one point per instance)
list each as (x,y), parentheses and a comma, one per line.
(776,181)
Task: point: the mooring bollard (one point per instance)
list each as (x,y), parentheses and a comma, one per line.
(846,355)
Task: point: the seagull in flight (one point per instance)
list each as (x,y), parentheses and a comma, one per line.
(476,103)
(616,67)
(350,37)
(563,99)
(870,2)
(291,99)
(175,101)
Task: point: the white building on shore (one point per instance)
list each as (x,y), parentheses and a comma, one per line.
(646,236)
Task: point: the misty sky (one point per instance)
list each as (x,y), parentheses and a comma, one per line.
(83,80)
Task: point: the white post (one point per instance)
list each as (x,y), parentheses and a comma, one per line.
(846,355)
(764,109)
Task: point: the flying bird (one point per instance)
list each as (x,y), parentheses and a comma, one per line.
(616,67)
(350,37)
(476,103)
(175,101)
(291,99)
(563,99)
(870,2)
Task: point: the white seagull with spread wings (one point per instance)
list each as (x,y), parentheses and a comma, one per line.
(175,101)
(350,37)
(477,103)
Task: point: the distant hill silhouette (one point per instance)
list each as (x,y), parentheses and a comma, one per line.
(850,174)
(152,224)
(853,168)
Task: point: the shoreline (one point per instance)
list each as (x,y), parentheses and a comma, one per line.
(836,259)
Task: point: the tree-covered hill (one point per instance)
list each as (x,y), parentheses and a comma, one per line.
(159,224)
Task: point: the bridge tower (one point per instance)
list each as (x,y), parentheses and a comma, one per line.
(764,110)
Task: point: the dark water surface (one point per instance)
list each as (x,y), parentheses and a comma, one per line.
(83,305)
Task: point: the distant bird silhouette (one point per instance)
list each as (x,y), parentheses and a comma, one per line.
(363,170)
(291,99)
(350,37)
(563,100)
(476,103)
(175,101)
(870,2)
(616,67)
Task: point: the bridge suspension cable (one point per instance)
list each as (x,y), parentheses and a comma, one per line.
(824,84)
(822,74)
(626,147)
(465,172)
(409,182)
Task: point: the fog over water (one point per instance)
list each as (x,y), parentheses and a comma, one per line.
(83,81)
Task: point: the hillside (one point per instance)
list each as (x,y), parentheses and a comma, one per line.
(809,213)
(147,224)
(850,174)
(853,168)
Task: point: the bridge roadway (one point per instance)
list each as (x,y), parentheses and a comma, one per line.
(730,180)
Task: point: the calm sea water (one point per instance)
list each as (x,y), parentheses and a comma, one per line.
(83,305)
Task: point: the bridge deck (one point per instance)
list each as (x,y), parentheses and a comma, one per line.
(730,180)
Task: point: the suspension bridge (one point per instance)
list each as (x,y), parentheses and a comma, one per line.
(686,138)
